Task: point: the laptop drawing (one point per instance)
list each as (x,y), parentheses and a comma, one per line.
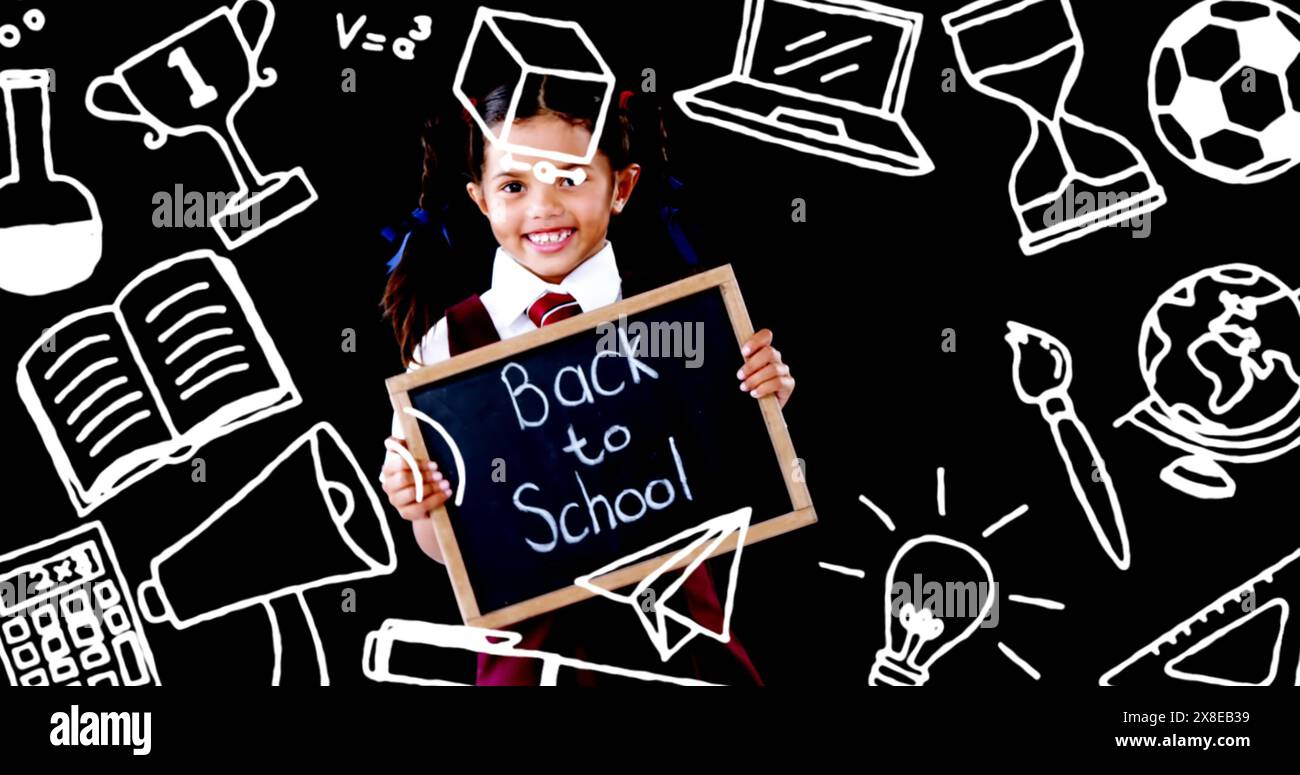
(826,77)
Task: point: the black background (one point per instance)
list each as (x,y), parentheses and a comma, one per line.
(858,296)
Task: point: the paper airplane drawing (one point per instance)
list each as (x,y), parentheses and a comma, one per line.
(652,608)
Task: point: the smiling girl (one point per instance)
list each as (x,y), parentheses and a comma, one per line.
(554,260)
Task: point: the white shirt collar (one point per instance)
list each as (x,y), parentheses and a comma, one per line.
(594,283)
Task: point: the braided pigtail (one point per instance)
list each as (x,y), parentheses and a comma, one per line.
(432,268)
(653,233)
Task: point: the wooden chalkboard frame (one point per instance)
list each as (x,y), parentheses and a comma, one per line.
(399,389)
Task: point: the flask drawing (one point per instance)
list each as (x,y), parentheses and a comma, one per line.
(51,235)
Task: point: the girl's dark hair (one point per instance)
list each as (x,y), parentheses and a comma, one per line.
(437,267)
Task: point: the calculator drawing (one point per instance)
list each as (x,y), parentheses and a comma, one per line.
(67,616)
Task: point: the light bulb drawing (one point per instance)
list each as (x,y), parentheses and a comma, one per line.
(918,633)
(916,638)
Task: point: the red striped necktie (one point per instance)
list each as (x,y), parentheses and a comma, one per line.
(552,308)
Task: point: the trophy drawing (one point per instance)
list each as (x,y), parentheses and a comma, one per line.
(195,82)
(1028,53)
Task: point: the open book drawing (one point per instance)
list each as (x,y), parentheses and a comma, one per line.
(180,358)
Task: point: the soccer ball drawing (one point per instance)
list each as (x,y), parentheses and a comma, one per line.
(1224,89)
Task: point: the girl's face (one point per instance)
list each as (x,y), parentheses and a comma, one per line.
(550,228)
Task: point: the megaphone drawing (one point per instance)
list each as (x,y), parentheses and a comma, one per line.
(263,548)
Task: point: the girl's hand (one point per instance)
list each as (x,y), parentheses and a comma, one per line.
(399,486)
(764,373)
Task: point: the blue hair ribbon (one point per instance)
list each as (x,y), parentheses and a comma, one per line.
(670,214)
(419,218)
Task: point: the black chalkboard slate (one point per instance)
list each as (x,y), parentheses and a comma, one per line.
(669,443)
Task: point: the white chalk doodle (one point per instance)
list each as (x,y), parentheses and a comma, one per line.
(1222,89)
(841,569)
(67,616)
(405,454)
(192,105)
(456,455)
(918,636)
(51,235)
(1215,353)
(11,35)
(1174,668)
(693,547)
(921,625)
(1019,511)
(422,639)
(1043,379)
(1019,661)
(552,46)
(1001,58)
(1262,603)
(403,47)
(941,497)
(825,78)
(884,518)
(1040,602)
(194,581)
(181,357)
(941,492)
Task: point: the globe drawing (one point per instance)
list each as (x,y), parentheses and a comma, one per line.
(1218,353)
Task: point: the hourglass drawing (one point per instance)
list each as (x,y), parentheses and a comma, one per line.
(51,235)
(1074,177)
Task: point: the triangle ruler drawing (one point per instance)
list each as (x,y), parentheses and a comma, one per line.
(1241,639)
